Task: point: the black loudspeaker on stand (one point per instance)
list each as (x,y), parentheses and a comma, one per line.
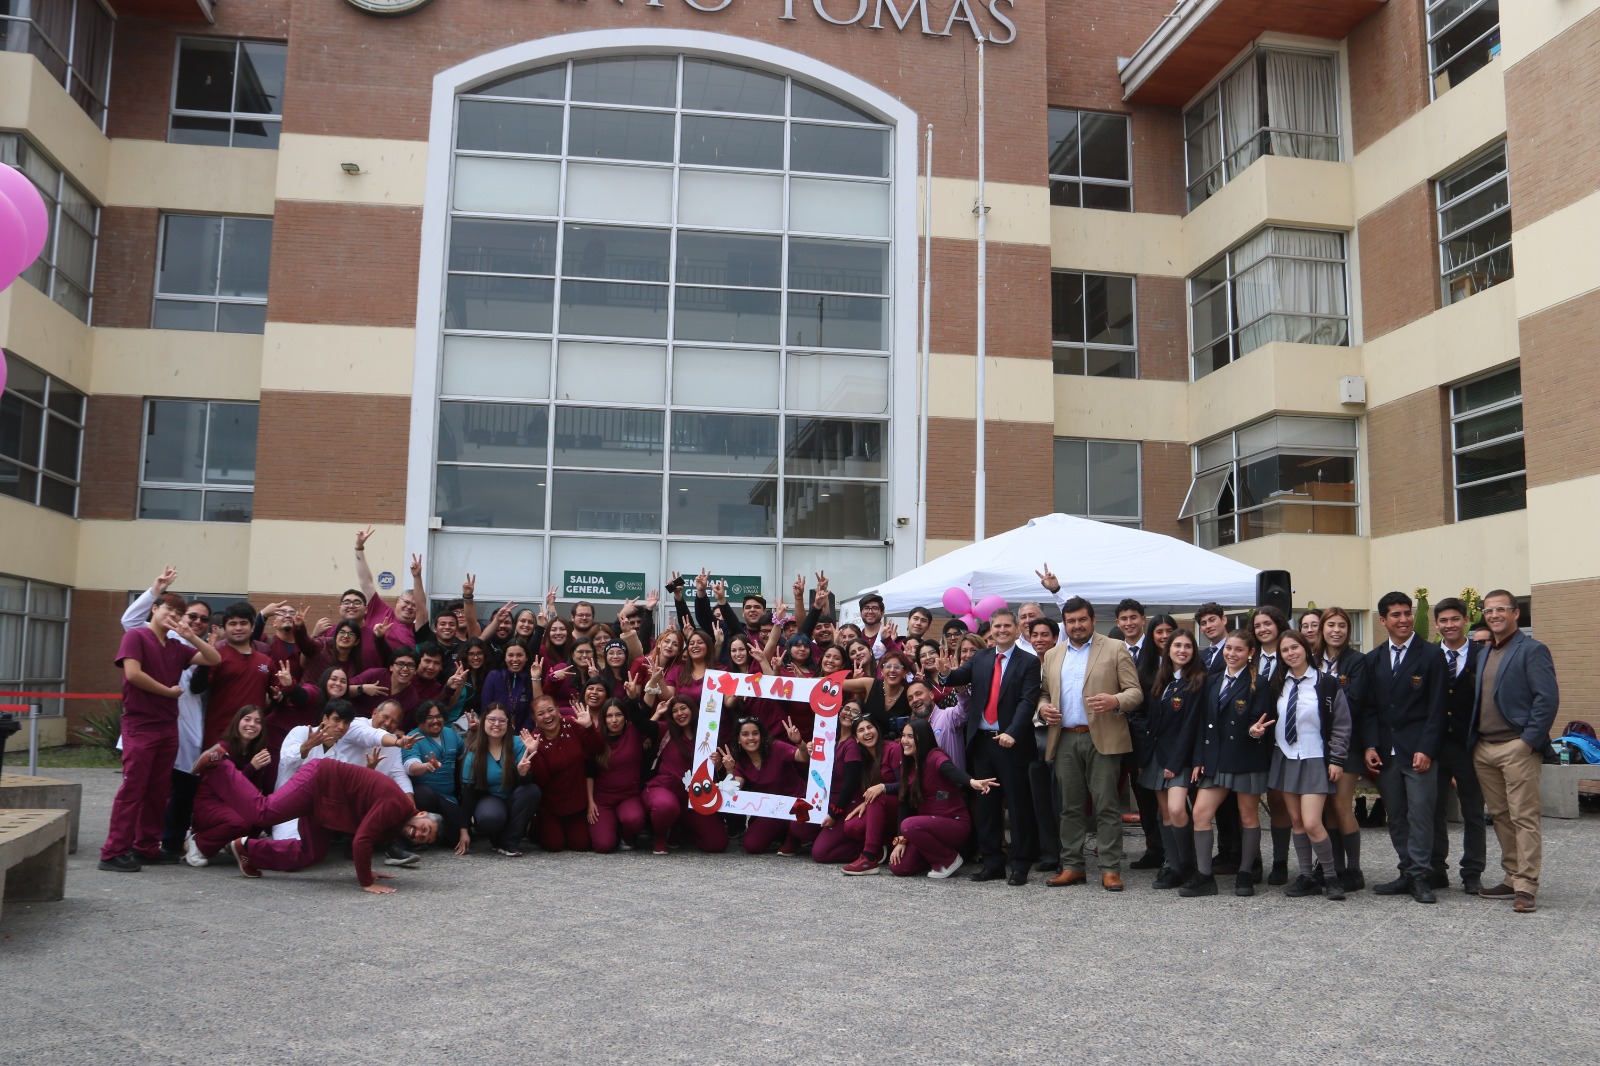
(1273,590)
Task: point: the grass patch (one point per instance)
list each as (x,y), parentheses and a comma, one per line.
(70,757)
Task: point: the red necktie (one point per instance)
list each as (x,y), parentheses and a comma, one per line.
(991,710)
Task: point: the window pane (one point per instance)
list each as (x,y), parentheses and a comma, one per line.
(503,433)
(833,447)
(1072,477)
(1469,209)
(1304,478)
(614,252)
(732,201)
(1110,363)
(174,505)
(496,366)
(174,445)
(806,102)
(1105,146)
(710,86)
(1107,197)
(189,130)
(231,447)
(19,429)
(1491,461)
(838,266)
(1066,360)
(189,255)
(726,259)
(609,437)
(724,444)
(723,506)
(606,503)
(547,83)
(489,126)
(1476,174)
(48,600)
(1486,391)
(839,150)
(732,142)
(227,506)
(616,373)
(18,483)
(619,194)
(485,497)
(849,208)
(246,245)
(13,597)
(241,318)
(1065,194)
(721,377)
(66,401)
(620,134)
(1497,497)
(506,565)
(1114,478)
(613,309)
(743,316)
(819,321)
(1501,423)
(647,80)
(832,510)
(74,249)
(248,133)
(47,649)
(205,75)
(512,305)
(493,246)
(260,86)
(184,314)
(851,384)
(507,186)
(10,643)
(1064,143)
(1066,307)
(58,496)
(1109,306)
(61,448)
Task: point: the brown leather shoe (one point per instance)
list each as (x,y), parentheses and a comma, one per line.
(1111,881)
(1524,904)
(1067,877)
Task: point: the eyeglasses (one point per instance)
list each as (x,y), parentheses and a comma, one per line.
(434,718)
(197,617)
(352,603)
(405,666)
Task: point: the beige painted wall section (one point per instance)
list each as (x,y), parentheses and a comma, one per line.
(176,363)
(1562,519)
(1118,409)
(1018,214)
(191,177)
(1555,257)
(1296,378)
(1484,553)
(316,557)
(1015,390)
(1468,117)
(1527,24)
(125,555)
(1448,345)
(33,101)
(1332,571)
(392,172)
(374,360)
(38,543)
(933,549)
(44,333)
(1116,242)
(1306,193)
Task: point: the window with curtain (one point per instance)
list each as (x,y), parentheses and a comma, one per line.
(1280,285)
(72,38)
(1491,474)
(1098,479)
(65,267)
(1474,225)
(1463,36)
(1274,102)
(1283,474)
(34,617)
(41,438)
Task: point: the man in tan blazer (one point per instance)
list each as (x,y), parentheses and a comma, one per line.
(1089,683)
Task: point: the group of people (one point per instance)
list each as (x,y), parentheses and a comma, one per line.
(267,739)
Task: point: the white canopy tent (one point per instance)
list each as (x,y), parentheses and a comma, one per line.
(1098,561)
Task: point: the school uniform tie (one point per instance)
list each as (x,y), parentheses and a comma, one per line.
(1269,663)
(1394,663)
(1452,656)
(1291,728)
(991,710)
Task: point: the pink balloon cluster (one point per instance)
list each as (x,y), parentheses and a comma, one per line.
(24,224)
(960,605)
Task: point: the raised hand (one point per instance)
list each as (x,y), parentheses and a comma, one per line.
(458,678)
(536,666)
(791,731)
(1047,579)
(416,567)
(719,589)
(1261,726)
(285,675)
(362,536)
(550,599)
(374,757)
(322,626)
(799,586)
(700,581)
(469,586)
(652,599)
(164,580)
(381,628)
(888,630)
(406,742)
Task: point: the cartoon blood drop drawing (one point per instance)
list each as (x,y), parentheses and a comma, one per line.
(704,795)
(828,695)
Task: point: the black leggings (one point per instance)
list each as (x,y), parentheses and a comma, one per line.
(455,819)
(504,821)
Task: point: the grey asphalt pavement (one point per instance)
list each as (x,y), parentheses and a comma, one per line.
(732,959)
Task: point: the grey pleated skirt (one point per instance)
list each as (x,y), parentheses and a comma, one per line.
(1155,779)
(1253,784)
(1301,777)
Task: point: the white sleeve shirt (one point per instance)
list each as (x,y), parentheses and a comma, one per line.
(1074,668)
(1308,720)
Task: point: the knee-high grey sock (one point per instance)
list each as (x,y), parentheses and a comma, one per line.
(1336,841)
(1202,851)
(1325,856)
(1352,850)
(1250,850)
(1302,851)
(1280,844)
(1182,853)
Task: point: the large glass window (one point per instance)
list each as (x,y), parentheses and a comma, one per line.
(72,38)
(199,461)
(1098,479)
(1275,102)
(1281,475)
(1474,225)
(41,438)
(1491,474)
(1090,160)
(1280,285)
(228,92)
(666,326)
(1092,325)
(64,270)
(1463,35)
(33,637)
(211,274)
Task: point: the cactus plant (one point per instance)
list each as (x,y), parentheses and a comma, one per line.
(1421,613)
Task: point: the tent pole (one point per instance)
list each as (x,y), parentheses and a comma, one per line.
(981,209)
(927,323)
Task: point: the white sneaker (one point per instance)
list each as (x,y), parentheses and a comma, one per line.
(191,854)
(946,871)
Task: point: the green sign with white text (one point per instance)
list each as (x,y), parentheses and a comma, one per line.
(601,584)
(738,587)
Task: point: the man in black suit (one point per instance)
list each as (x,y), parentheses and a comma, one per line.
(1134,625)
(1455,754)
(1000,744)
(1403,725)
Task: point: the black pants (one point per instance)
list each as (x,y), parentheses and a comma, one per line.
(1229,832)
(1009,766)
(455,819)
(1046,809)
(180,810)
(1455,760)
(1149,812)
(503,821)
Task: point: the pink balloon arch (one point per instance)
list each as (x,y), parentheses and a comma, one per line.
(24,228)
(960,606)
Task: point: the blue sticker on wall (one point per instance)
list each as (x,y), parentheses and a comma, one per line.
(386,580)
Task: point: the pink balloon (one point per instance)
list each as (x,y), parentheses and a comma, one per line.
(956,601)
(13,243)
(971,623)
(30,205)
(988,605)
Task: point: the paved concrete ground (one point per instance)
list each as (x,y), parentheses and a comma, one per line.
(691,958)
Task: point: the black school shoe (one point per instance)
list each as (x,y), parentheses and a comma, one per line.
(1471,884)
(1279,874)
(1421,892)
(1303,886)
(1168,878)
(1400,886)
(1150,860)
(1199,885)
(1352,880)
(1244,885)
(125,863)
(1438,880)
(1333,890)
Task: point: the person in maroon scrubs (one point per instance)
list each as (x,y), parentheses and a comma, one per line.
(216,823)
(933,812)
(761,763)
(616,807)
(666,796)
(560,749)
(866,802)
